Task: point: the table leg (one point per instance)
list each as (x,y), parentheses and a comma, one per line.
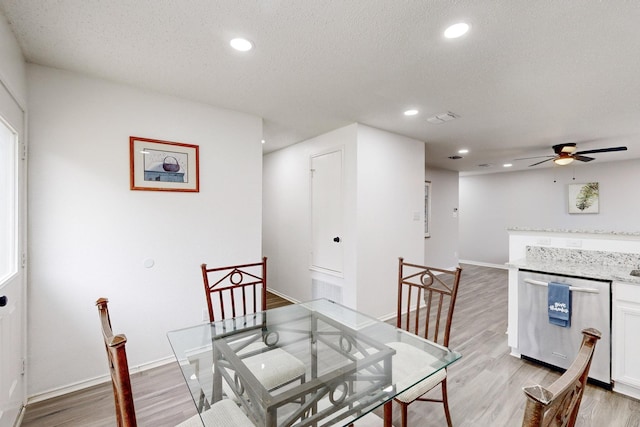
(388,410)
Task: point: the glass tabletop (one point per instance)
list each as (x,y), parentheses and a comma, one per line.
(313,363)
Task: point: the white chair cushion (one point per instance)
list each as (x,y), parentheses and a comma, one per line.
(272,368)
(275,367)
(409,365)
(224,413)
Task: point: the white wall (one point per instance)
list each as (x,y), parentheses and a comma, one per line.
(390,218)
(90,234)
(441,248)
(384,176)
(489,204)
(12,65)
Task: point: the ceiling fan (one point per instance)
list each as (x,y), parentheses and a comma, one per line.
(566,153)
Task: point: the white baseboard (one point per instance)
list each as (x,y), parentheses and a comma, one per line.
(81,385)
(281,295)
(627,390)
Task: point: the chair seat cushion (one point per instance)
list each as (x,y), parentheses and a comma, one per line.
(224,413)
(409,365)
(275,367)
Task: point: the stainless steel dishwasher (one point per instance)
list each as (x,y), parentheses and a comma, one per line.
(557,346)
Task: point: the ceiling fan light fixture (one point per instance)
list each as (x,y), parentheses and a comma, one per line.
(563,160)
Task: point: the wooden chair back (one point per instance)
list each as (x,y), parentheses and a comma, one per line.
(426,300)
(235,290)
(558,404)
(119,368)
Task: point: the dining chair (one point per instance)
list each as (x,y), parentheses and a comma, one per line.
(426,300)
(224,413)
(558,404)
(239,290)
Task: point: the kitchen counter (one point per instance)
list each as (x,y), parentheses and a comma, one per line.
(631,234)
(588,271)
(614,266)
(603,255)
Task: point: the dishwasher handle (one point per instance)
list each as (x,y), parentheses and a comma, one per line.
(571,288)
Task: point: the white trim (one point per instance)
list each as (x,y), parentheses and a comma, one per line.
(81,385)
(20,103)
(282,295)
(626,389)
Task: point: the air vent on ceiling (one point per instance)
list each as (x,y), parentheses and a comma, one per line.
(455,157)
(443,117)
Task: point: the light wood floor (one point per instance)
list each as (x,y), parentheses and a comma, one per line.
(485,386)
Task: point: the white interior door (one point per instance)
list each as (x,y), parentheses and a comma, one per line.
(12,248)
(326,212)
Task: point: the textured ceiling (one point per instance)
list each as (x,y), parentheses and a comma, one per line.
(528,75)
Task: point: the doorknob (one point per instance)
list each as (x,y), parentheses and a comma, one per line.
(336,239)
(3,300)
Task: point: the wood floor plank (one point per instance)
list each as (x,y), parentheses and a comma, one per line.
(485,386)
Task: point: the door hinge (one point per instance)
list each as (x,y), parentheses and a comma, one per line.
(24,366)
(24,151)
(23,261)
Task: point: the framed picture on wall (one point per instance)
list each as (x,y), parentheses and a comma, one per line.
(584,198)
(163,165)
(427,209)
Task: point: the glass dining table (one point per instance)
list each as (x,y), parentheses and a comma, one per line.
(348,359)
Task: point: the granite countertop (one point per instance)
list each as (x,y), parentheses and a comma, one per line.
(629,234)
(616,273)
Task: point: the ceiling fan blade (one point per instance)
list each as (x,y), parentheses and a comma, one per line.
(602,150)
(535,164)
(583,158)
(529,158)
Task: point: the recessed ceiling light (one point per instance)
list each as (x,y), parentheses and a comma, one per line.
(463,151)
(456,30)
(507,165)
(411,112)
(243,45)
(263,141)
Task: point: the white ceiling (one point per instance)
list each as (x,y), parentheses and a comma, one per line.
(528,75)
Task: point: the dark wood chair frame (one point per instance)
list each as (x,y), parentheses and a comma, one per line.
(558,404)
(433,286)
(118,367)
(238,281)
(231,278)
(121,381)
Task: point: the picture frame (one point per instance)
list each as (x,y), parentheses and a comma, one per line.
(157,165)
(427,209)
(584,198)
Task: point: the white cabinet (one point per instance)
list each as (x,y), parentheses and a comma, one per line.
(626,346)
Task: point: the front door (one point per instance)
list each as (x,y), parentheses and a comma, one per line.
(12,248)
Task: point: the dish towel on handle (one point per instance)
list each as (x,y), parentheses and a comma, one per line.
(559,307)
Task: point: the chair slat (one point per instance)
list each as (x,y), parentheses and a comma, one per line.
(235,286)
